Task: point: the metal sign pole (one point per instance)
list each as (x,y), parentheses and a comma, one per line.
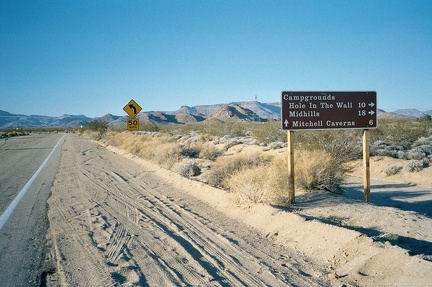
(291,187)
(366,166)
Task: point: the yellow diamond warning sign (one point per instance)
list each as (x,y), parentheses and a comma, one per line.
(132,108)
(133,124)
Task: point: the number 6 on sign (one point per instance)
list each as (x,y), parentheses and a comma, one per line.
(133,124)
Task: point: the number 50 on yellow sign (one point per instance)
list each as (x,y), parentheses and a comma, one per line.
(133,124)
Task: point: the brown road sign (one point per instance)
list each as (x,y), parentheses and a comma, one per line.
(133,124)
(132,108)
(328,110)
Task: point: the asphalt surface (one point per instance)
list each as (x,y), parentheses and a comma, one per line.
(22,234)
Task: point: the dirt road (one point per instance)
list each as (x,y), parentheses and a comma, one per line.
(114,223)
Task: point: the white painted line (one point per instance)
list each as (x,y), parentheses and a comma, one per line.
(5,216)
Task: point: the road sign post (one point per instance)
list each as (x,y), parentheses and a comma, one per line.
(326,111)
(366,166)
(132,109)
(291,185)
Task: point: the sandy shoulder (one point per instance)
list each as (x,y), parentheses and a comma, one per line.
(335,231)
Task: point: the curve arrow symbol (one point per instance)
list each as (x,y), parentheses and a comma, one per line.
(131,106)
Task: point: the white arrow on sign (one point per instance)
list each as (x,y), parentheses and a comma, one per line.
(371,105)
(371,113)
(286,122)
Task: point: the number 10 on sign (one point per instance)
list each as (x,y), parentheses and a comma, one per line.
(133,124)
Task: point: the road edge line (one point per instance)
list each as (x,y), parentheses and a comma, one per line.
(10,209)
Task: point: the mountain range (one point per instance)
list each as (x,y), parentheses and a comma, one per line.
(243,111)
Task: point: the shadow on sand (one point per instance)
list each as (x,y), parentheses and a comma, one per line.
(405,197)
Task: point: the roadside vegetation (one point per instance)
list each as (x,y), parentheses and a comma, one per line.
(7,133)
(204,151)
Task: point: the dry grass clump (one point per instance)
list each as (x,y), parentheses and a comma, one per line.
(250,185)
(210,151)
(160,149)
(317,170)
(267,181)
(227,166)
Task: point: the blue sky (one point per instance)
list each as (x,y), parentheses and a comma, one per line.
(91,57)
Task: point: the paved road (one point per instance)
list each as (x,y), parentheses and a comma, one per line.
(22,234)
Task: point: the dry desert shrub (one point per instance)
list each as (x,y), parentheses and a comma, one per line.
(188,168)
(224,167)
(343,145)
(250,185)
(318,170)
(260,184)
(124,140)
(266,181)
(268,132)
(416,165)
(158,148)
(161,151)
(210,151)
(92,135)
(392,170)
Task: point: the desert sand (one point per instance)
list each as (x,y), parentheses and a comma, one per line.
(116,219)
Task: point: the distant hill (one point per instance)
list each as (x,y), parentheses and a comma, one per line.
(410,113)
(235,111)
(390,116)
(262,110)
(8,120)
(252,111)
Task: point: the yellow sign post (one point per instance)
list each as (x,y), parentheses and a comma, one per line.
(132,108)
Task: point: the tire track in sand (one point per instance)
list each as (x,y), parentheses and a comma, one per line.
(126,227)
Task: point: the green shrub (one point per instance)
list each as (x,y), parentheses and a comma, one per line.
(401,132)
(99,126)
(268,132)
(342,145)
